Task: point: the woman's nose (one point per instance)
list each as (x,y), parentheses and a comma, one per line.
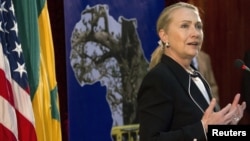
(196,32)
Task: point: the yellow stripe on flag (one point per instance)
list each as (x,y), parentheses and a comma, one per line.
(46,101)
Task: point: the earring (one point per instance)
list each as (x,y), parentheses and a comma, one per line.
(167,44)
(163,44)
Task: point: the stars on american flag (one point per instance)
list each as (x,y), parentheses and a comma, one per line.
(18,49)
(2,8)
(20,69)
(10,43)
(1,29)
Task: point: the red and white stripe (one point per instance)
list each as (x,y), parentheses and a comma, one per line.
(16,114)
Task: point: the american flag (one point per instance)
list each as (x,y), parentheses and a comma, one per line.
(16,114)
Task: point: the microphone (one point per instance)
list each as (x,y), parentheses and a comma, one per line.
(240,64)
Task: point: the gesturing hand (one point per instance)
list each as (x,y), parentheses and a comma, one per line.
(230,114)
(238,108)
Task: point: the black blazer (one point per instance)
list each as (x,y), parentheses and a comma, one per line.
(170,105)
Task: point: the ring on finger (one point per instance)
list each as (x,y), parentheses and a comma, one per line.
(236,119)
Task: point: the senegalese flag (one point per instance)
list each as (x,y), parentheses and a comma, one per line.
(36,39)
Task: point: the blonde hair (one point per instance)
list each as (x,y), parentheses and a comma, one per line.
(163,23)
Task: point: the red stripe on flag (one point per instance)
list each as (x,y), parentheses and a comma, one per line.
(26,131)
(6,134)
(5,88)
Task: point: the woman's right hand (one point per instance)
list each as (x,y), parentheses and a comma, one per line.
(226,115)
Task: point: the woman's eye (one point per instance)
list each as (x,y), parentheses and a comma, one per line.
(199,26)
(184,26)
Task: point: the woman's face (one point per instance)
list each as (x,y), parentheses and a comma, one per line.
(184,33)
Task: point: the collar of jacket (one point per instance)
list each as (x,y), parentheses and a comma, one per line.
(182,75)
